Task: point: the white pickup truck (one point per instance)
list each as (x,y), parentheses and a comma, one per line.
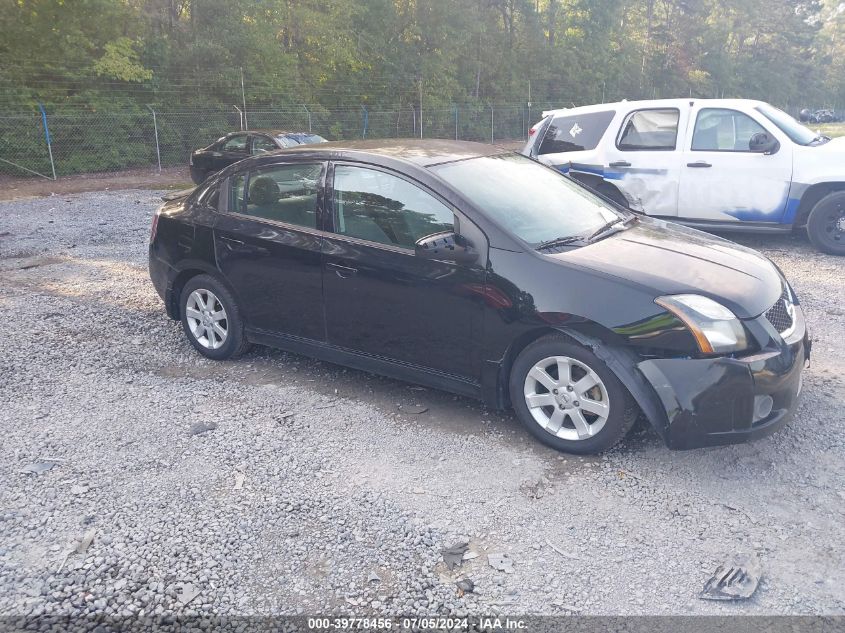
(720,164)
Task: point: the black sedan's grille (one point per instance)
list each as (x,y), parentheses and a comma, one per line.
(778,315)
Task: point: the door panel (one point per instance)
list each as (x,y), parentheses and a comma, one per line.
(269,251)
(721,180)
(644,161)
(380,298)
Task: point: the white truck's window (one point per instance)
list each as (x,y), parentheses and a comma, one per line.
(723,130)
(575,133)
(650,130)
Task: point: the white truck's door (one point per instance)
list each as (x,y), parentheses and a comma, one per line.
(642,158)
(722,180)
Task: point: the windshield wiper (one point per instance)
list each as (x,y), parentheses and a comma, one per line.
(560,241)
(610,225)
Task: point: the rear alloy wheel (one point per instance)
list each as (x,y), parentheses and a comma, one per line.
(211,319)
(826,224)
(568,398)
(207,319)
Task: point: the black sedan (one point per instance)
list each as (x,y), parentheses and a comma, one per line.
(482,272)
(239,145)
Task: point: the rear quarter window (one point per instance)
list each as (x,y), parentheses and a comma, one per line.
(575,133)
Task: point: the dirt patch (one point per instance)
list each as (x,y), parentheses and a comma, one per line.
(146,178)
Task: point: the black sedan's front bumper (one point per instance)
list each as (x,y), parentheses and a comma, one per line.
(715,401)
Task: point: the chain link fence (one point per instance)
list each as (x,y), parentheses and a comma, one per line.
(86,142)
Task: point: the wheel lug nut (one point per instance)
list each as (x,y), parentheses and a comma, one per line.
(554,391)
(576,403)
(569,387)
(560,406)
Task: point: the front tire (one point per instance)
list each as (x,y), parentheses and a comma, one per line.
(211,319)
(826,224)
(568,398)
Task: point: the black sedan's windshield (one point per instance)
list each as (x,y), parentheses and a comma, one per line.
(535,202)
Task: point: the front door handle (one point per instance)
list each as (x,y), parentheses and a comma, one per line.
(231,240)
(344,272)
(699,163)
(620,163)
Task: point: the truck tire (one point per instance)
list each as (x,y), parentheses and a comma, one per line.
(826,224)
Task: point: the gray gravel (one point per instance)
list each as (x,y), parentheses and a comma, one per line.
(317,493)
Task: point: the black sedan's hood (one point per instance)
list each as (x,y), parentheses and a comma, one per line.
(671,259)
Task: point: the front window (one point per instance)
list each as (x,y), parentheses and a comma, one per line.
(534,202)
(235,144)
(789,126)
(262,144)
(379,207)
(722,130)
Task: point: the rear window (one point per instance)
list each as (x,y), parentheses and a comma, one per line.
(650,130)
(575,133)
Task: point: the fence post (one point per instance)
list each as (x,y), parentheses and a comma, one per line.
(524,132)
(241,114)
(308,112)
(47,137)
(491,124)
(155,128)
(243,96)
(456,121)
(414,111)
(366,121)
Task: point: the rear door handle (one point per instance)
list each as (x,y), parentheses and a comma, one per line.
(344,272)
(699,163)
(239,246)
(620,163)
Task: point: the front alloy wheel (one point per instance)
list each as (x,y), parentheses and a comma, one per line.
(566,398)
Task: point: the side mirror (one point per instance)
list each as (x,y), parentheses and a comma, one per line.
(763,143)
(445,246)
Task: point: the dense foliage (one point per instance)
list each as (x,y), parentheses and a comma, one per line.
(349,53)
(367,67)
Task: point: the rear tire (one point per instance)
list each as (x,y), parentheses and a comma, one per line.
(826,224)
(211,319)
(568,398)
(198,175)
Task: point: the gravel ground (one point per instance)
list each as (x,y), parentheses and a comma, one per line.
(316,492)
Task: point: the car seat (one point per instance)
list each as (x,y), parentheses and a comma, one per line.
(263,194)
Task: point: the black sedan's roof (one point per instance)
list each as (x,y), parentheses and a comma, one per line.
(418,152)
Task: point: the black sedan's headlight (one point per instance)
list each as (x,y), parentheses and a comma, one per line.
(715,328)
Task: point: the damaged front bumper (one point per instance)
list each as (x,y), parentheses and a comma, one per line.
(717,401)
